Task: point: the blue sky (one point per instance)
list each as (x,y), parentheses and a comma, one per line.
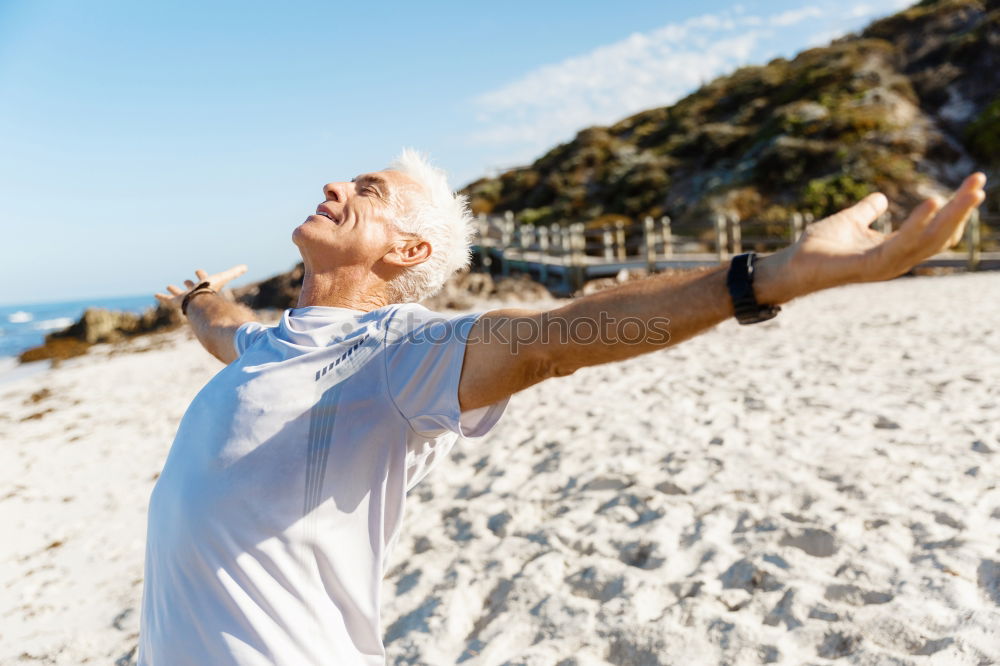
(142,140)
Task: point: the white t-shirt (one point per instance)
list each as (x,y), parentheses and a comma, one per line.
(271,525)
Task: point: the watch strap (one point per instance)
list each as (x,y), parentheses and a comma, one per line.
(739,280)
(200,288)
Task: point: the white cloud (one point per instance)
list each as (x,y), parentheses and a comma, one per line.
(823,38)
(648,69)
(884,8)
(793,16)
(642,71)
(859,11)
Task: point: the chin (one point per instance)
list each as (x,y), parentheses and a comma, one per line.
(305,233)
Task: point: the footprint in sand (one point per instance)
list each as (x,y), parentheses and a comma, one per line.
(815,542)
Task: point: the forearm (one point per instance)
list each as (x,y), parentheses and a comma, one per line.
(214,321)
(658,312)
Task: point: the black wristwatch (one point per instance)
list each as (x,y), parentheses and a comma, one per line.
(740,283)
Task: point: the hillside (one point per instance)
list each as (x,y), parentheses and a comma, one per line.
(907,107)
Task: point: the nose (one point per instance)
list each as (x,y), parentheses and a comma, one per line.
(335,192)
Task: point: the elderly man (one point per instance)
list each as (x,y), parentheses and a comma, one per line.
(274,518)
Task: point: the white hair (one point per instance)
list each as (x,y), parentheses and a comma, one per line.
(436,215)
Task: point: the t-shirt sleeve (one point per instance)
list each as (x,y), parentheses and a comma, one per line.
(423,369)
(247,334)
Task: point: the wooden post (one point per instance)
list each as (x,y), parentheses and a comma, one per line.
(807,219)
(565,244)
(484,241)
(543,250)
(579,243)
(543,239)
(620,240)
(556,235)
(506,238)
(668,237)
(608,241)
(506,229)
(649,244)
(735,234)
(885,224)
(524,236)
(482,226)
(799,224)
(577,271)
(973,237)
(720,238)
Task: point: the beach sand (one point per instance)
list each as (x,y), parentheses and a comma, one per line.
(817,489)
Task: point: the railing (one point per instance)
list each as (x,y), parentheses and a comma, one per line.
(573,253)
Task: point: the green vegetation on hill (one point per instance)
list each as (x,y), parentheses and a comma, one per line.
(909,106)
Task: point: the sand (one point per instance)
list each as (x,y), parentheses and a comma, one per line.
(817,489)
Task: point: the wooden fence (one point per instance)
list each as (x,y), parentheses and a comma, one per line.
(564,257)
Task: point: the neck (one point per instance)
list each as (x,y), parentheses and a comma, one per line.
(341,289)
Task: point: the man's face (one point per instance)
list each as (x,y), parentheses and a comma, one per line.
(354,224)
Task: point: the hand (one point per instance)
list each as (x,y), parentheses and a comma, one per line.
(216,282)
(842,248)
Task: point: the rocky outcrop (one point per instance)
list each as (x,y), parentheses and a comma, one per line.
(278,292)
(98,325)
(908,107)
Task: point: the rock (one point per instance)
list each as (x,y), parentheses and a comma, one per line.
(278,292)
(57,349)
(98,325)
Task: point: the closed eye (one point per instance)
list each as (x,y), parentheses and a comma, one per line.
(371,186)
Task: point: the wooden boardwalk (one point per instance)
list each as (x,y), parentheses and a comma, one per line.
(565,257)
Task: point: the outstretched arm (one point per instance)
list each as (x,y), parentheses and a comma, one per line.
(213,318)
(509,350)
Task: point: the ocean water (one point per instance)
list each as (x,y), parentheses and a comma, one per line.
(24,326)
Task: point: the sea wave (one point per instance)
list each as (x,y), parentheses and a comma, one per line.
(20,317)
(50,324)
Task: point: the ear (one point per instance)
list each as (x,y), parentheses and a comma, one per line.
(407,253)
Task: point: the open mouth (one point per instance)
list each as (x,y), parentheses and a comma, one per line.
(326,215)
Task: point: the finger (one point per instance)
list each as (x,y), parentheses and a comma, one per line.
(978,198)
(174,290)
(229,274)
(950,221)
(927,237)
(188,283)
(974,181)
(959,232)
(865,211)
(921,216)
(163,298)
(201,275)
